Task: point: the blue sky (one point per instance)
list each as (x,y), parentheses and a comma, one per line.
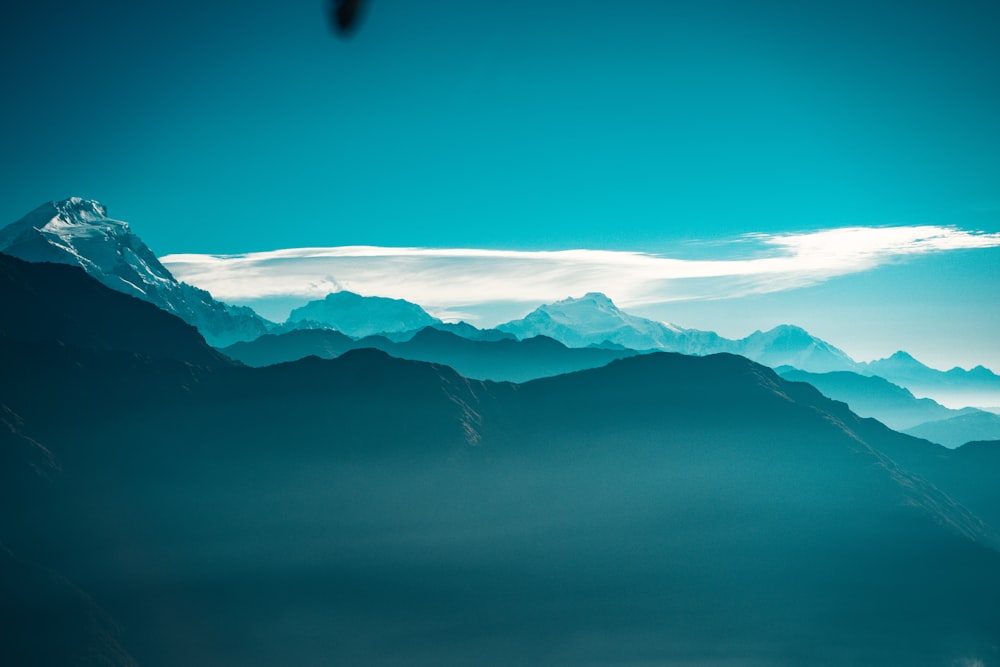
(641,126)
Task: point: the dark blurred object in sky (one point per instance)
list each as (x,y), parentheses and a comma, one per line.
(345,15)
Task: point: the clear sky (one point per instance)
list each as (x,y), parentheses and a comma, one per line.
(645,126)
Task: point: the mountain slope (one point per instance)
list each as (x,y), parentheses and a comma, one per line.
(53,302)
(78,232)
(48,621)
(662,509)
(666,507)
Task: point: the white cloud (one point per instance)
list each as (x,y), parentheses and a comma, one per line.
(446,280)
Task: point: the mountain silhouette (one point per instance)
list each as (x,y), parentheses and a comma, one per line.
(662,508)
(54,302)
(977,387)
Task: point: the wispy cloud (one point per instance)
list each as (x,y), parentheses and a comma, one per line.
(446,280)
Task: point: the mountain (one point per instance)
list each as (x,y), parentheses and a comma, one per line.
(78,232)
(978,387)
(500,360)
(956,431)
(872,396)
(358,316)
(595,319)
(788,345)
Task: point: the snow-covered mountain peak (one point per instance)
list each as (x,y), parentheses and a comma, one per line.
(78,232)
(70,218)
(77,210)
(594,319)
(596,298)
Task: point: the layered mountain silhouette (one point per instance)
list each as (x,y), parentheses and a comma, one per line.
(500,360)
(978,386)
(954,431)
(371,510)
(595,320)
(590,331)
(78,232)
(872,396)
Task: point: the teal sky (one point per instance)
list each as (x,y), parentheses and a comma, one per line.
(227,127)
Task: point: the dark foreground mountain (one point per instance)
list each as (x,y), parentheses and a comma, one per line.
(367,510)
(48,621)
(500,360)
(53,302)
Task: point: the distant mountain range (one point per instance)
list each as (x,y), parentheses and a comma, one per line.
(663,508)
(896,407)
(979,386)
(581,326)
(872,396)
(78,232)
(594,319)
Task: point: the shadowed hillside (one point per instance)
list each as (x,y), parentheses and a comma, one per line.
(371,510)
